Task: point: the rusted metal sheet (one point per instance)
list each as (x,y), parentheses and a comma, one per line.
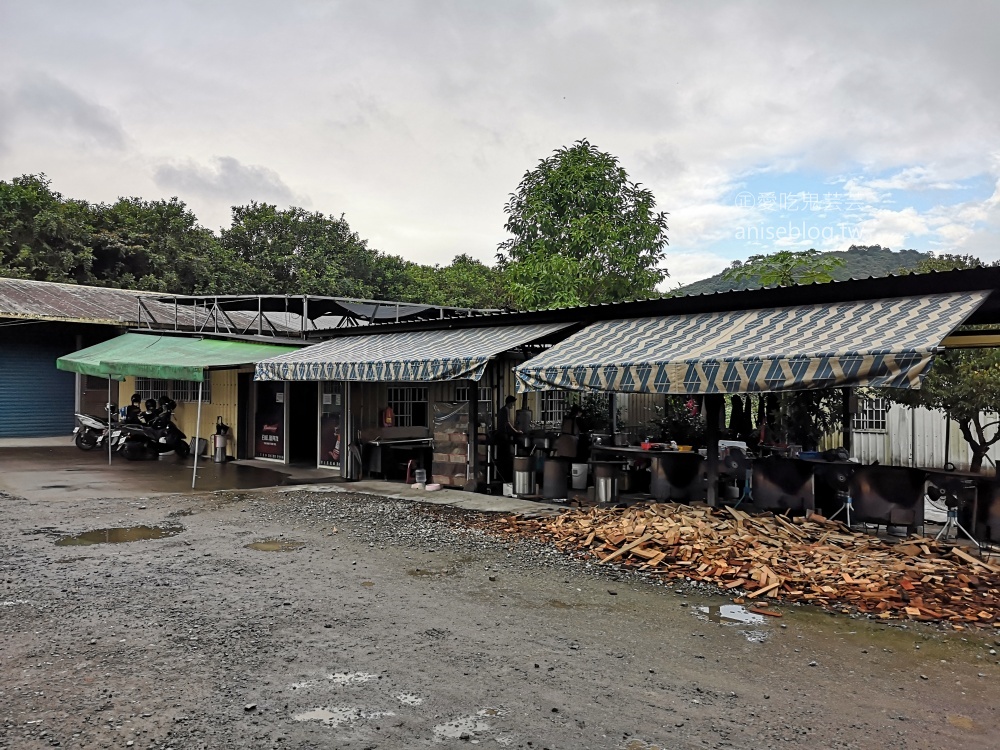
(72,303)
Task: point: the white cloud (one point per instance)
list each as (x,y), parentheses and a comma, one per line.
(227,179)
(688,267)
(417,119)
(52,105)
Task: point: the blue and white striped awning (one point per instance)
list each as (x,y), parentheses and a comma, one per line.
(887,342)
(416,356)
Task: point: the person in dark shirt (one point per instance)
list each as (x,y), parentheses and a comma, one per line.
(506,435)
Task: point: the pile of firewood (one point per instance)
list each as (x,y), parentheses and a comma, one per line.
(769,556)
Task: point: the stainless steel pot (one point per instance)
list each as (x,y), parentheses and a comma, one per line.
(524,476)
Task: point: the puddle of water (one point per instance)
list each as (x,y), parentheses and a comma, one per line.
(334,716)
(732,613)
(409,699)
(119,535)
(14,602)
(465,725)
(180,513)
(276,545)
(422,572)
(351,678)
(490,712)
(368,584)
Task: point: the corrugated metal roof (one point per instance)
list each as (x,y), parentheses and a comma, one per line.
(75,303)
(900,285)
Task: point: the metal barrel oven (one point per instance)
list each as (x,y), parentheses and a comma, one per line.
(524,476)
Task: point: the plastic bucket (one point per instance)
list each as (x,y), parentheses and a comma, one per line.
(579,476)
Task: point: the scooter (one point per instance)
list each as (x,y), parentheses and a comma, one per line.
(160,435)
(91,432)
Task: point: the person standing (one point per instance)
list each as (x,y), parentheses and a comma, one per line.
(506,436)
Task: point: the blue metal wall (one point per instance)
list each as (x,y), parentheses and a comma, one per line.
(36,399)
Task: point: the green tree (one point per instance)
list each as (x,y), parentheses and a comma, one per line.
(43,236)
(783,268)
(963,383)
(581,233)
(295,251)
(158,246)
(465,282)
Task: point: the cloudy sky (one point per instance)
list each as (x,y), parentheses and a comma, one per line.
(758,125)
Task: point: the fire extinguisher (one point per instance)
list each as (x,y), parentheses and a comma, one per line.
(387,417)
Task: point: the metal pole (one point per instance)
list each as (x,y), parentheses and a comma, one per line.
(472,467)
(197,432)
(846,417)
(713,410)
(109,420)
(947,437)
(613,415)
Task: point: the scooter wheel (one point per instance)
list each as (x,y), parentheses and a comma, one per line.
(133,452)
(86,440)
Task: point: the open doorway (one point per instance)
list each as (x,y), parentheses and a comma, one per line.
(303,420)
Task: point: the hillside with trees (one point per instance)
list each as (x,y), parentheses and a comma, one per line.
(857,262)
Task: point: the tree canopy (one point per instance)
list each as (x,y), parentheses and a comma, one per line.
(859,262)
(160,246)
(581,232)
(783,268)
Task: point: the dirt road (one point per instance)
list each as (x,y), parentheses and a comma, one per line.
(378,624)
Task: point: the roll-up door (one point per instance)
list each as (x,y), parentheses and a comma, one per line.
(36,399)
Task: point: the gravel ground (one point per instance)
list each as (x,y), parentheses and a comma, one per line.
(395,625)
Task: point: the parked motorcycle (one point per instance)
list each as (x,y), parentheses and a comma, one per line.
(159,434)
(92,432)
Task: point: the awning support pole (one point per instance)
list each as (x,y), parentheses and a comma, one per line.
(847,418)
(472,466)
(713,412)
(947,438)
(197,434)
(109,421)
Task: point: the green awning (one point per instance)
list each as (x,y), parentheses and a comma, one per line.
(164,357)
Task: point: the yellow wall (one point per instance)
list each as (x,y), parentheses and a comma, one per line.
(224,403)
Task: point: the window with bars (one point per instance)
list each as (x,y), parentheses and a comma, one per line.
(552,406)
(485,393)
(180,391)
(870,416)
(409,405)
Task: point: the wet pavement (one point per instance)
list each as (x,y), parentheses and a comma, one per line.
(46,473)
(51,472)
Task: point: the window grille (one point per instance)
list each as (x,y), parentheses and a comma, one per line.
(181,391)
(485,394)
(409,405)
(871,415)
(551,406)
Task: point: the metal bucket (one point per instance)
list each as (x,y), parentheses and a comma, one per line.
(524,476)
(606,488)
(219,448)
(606,482)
